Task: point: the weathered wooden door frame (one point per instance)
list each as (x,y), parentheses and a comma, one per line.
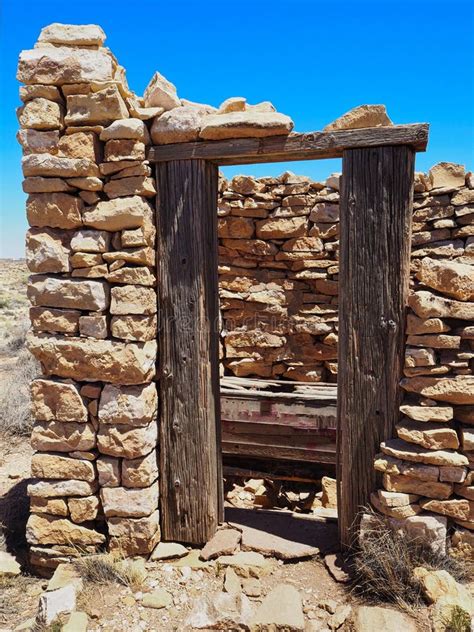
(375,220)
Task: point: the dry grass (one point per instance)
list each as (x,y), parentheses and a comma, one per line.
(15,413)
(458,620)
(384,563)
(109,569)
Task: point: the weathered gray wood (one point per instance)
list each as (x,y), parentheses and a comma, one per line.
(376,211)
(310,146)
(190,452)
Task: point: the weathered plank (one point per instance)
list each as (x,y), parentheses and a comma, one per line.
(310,146)
(376,211)
(321,454)
(190,456)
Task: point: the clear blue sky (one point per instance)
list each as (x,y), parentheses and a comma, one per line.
(314,59)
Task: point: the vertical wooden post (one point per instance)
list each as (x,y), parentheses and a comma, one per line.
(376,211)
(190,451)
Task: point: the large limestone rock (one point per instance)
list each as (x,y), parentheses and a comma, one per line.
(134,536)
(408,485)
(447,174)
(428,413)
(95,360)
(37,142)
(44,529)
(62,437)
(245,125)
(179,125)
(57,292)
(134,327)
(361,116)
(127,441)
(133,299)
(409,452)
(9,567)
(128,128)
(72,34)
(47,250)
(50,165)
(455,390)
(160,93)
(59,488)
(96,108)
(84,509)
(133,405)
(45,465)
(81,145)
(55,320)
(57,401)
(90,241)
(55,210)
(448,277)
(429,435)
(119,214)
(140,472)
(60,65)
(129,503)
(41,114)
(282,609)
(372,618)
(281,228)
(428,305)
(453,507)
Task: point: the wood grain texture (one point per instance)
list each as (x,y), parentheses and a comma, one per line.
(190,453)
(310,146)
(376,210)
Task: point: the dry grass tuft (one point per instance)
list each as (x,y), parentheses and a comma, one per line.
(15,413)
(109,569)
(458,620)
(384,563)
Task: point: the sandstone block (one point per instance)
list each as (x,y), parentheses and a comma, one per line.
(55,210)
(447,174)
(132,276)
(137,185)
(59,436)
(361,116)
(126,441)
(128,128)
(132,405)
(41,114)
(80,145)
(119,214)
(453,507)
(72,34)
(52,506)
(100,107)
(49,165)
(90,241)
(39,91)
(86,259)
(129,503)
(132,327)
(43,529)
(37,184)
(57,292)
(451,474)
(57,401)
(245,125)
(393,465)
(137,256)
(398,512)
(449,277)
(417,325)
(406,485)
(140,472)
(95,360)
(54,320)
(38,142)
(427,305)
(54,489)
(409,452)
(83,509)
(45,465)
(47,250)
(429,435)
(133,299)
(124,149)
(160,93)
(179,125)
(93,326)
(108,470)
(467,439)
(134,536)
(282,228)
(428,413)
(454,390)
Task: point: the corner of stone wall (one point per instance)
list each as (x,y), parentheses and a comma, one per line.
(91,253)
(428,470)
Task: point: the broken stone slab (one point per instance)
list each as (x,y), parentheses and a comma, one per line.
(44,529)
(54,210)
(272,545)
(457,389)
(141,472)
(449,277)
(428,435)
(126,441)
(371,618)
(361,116)
(77,622)
(44,465)
(134,536)
(179,125)
(41,114)
(224,542)
(96,108)
(447,174)
(168,551)
(59,488)
(57,65)
(128,128)
(133,405)
(62,436)
(136,185)
(49,165)
(458,508)
(56,602)
(53,400)
(118,214)
(224,611)
(410,452)
(245,125)
(428,305)
(158,598)
(428,413)
(336,567)
(49,291)
(9,567)
(408,485)
(133,299)
(129,503)
(160,93)
(282,609)
(246,563)
(47,250)
(95,360)
(63,575)
(399,512)
(72,34)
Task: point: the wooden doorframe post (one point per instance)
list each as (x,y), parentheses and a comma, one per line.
(191,497)
(375,223)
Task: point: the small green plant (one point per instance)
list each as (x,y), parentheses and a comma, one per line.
(458,620)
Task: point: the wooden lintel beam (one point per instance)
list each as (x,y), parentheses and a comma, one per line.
(311,146)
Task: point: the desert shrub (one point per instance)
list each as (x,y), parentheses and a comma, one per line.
(15,410)
(458,620)
(109,569)
(15,342)
(384,562)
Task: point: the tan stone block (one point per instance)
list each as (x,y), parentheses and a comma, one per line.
(247,124)
(38,142)
(94,326)
(132,276)
(108,469)
(88,240)
(134,327)
(141,169)
(85,259)
(451,474)
(56,401)
(466,491)
(55,210)
(62,437)
(133,299)
(47,250)
(462,197)
(56,466)
(428,305)
(87,184)
(49,291)
(449,277)
(120,214)
(109,168)
(134,536)
(160,93)
(94,272)
(458,389)
(130,405)
(95,360)
(467,438)
(83,509)
(54,320)
(453,507)
(72,34)
(179,125)
(303,244)
(140,472)
(124,149)
(49,165)
(397,512)
(44,529)
(37,184)
(417,325)
(99,107)
(53,489)
(447,174)
(409,452)
(127,441)
(329,492)
(137,256)
(41,114)
(40,91)
(428,413)
(52,506)
(256,247)
(80,145)
(392,465)
(282,228)
(407,485)
(131,128)
(361,116)
(137,185)
(429,435)
(129,503)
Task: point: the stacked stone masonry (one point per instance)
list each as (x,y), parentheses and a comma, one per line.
(91,252)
